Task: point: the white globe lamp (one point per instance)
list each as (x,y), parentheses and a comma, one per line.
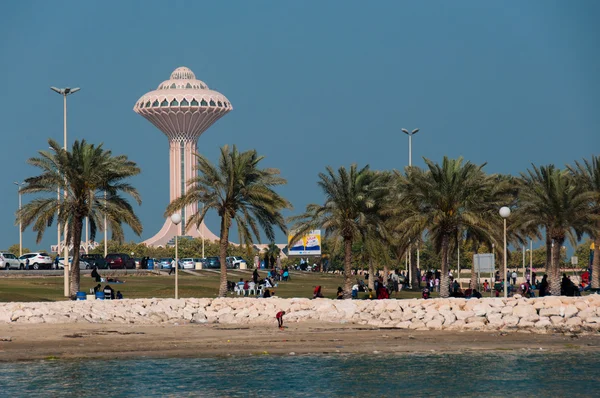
(504,212)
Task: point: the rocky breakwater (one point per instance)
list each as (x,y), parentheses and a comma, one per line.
(548,314)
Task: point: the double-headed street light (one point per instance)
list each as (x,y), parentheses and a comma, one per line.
(65,92)
(19,185)
(504,213)
(176,219)
(410,134)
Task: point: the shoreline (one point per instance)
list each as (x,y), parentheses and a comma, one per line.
(119,341)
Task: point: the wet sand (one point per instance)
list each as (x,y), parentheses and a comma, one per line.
(79,341)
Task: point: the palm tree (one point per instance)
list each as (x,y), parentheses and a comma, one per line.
(85,174)
(446,199)
(550,198)
(352,210)
(239,191)
(587,175)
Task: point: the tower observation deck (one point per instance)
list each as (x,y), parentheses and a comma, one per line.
(182,108)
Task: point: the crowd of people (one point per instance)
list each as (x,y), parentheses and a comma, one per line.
(257,284)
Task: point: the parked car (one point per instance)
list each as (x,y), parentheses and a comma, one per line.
(187,263)
(119,261)
(10,261)
(165,263)
(82,263)
(94,260)
(37,260)
(235,262)
(200,262)
(212,262)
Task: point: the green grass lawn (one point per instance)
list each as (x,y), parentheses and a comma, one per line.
(205,284)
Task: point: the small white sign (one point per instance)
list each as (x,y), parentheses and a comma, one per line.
(574,260)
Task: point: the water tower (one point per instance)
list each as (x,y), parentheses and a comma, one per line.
(182,108)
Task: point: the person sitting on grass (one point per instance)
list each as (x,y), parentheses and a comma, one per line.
(266,293)
(355,291)
(340,293)
(109,293)
(317,292)
(279,317)
(425,293)
(119,295)
(97,288)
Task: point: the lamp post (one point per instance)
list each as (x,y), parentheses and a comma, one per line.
(524,277)
(504,213)
(19,185)
(410,134)
(105,231)
(176,219)
(65,92)
(531,280)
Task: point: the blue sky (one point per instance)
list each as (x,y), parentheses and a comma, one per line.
(312,83)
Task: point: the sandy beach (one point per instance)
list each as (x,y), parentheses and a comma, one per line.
(79,341)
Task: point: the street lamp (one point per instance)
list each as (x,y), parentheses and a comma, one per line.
(65,92)
(105,226)
(20,184)
(410,134)
(176,219)
(504,213)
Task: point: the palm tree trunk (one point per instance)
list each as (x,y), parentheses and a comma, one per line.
(596,262)
(445,281)
(75,276)
(348,268)
(223,245)
(555,277)
(414,278)
(548,252)
(371,283)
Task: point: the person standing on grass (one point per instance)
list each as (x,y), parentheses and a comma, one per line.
(173,265)
(255,276)
(279,317)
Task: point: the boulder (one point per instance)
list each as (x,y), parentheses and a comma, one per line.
(462,315)
(524,310)
(543,324)
(435,324)
(587,313)
(510,320)
(573,321)
(570,311)
(474,326)
(403,325)
(550,311)
(557,320)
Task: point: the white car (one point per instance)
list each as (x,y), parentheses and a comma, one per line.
(9,260)
(37,260)
(187,263)
(82,264)
(235,261)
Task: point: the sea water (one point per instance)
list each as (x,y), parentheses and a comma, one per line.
(520,373)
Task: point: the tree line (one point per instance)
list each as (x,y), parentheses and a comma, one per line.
(387,212)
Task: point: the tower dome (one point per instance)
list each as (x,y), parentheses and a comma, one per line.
(183,73)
